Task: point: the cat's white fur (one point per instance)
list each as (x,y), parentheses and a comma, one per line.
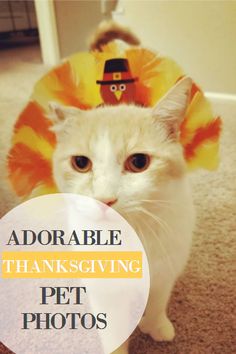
(157,202)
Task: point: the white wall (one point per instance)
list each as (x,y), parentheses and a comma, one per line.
(77,20)
(199,35)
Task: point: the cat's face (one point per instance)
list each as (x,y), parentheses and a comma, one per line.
(122,155)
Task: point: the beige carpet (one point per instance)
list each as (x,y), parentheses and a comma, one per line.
(203,303)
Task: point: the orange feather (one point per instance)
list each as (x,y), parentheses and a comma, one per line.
(210,132)
(33,117)
(65,88)
(27,170)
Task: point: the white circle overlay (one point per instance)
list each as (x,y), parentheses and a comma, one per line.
(76,315)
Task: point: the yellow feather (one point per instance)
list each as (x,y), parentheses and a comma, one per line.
(32,140)
(207,157)
(85,71)
(199,112)
(42,190)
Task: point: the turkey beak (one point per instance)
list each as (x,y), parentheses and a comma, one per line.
(118,94)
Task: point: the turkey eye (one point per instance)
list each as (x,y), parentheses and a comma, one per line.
(113,88)
(137,163)
(81,163)
(122,87)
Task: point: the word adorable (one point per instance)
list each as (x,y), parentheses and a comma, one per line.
(60,237)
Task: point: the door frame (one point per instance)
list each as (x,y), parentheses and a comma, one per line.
(48,34)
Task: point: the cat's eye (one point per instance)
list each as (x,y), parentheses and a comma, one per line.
(122,87)
(81,163)
(137,163)
(113,88)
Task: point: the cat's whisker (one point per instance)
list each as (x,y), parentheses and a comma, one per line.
(156,218)
(162,201)
(139,231)
(169,231)
(159,200)
(166,228)
(142,210)
(157,206)
(163,249)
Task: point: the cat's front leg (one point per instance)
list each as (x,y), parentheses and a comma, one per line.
(155,322)
(123,349)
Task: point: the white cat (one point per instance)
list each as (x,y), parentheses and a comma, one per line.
(129,157)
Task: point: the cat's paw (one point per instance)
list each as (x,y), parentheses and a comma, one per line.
(123,349)
(144,326)
(163,330)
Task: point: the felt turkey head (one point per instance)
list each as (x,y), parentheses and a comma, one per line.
(118,85)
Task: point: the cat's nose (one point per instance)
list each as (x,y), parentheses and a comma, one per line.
(109,201)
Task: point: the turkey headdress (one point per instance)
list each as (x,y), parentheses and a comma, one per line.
(111,76)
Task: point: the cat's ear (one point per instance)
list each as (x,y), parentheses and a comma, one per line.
(59,114)
(170,110)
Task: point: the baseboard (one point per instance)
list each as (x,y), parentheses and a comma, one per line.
(221,96)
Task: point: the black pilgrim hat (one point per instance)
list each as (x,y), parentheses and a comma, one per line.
(116,71)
